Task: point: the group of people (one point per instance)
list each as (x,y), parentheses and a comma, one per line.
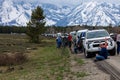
(69,41)
(64,41)
(77,45)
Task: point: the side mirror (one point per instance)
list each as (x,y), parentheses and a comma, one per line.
(111,34)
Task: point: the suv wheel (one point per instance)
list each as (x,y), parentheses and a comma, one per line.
(113,51)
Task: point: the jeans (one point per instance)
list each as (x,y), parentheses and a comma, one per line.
(58,44)
(75,49)
(69,44)
(118,47)
(98,57)
(103,54)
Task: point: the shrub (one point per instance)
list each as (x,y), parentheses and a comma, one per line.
(8,59)
(20,58)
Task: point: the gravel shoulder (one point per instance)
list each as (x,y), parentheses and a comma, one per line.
(89,67)
(114,61)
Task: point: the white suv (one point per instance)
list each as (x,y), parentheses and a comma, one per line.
(94,38)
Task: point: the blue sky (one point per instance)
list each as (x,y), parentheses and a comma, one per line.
(71,2)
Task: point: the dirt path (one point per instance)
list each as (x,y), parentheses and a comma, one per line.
(89,68)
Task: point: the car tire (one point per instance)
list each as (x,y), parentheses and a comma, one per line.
(112,52)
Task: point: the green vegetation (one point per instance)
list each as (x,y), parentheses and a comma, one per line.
(81,74)
(79,61)
(45,61)
(35,26)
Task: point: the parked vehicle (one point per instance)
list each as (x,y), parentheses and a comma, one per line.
(72,33)
(114,36)
(81,33)
(93,39)
(59,34)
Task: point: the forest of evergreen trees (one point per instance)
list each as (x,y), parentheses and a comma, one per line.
(23,29)
(12,29)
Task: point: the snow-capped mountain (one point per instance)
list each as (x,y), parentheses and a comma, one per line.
(13,14)
(54,14)
(92,13)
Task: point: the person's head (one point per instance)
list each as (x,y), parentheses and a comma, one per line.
(102,43)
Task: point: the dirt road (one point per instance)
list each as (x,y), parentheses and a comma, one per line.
(108,69)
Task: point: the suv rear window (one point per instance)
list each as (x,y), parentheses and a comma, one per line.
(97,34)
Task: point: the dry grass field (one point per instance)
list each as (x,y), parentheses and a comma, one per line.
(44,60)
(14,43)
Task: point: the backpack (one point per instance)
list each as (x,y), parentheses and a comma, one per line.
(59,39)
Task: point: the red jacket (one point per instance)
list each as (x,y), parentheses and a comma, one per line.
(69,38)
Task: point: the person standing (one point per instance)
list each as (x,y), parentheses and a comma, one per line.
(70,41)
(118,43)
(58,41)
(76,46)
(64,41)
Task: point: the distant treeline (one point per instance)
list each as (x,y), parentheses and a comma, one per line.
(55,29)
(23,29)
(12,29)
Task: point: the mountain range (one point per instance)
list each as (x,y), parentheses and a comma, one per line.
(89,13)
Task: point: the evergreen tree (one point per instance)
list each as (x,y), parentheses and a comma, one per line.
(36,25)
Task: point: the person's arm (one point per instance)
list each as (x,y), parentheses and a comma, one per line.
(106,44)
